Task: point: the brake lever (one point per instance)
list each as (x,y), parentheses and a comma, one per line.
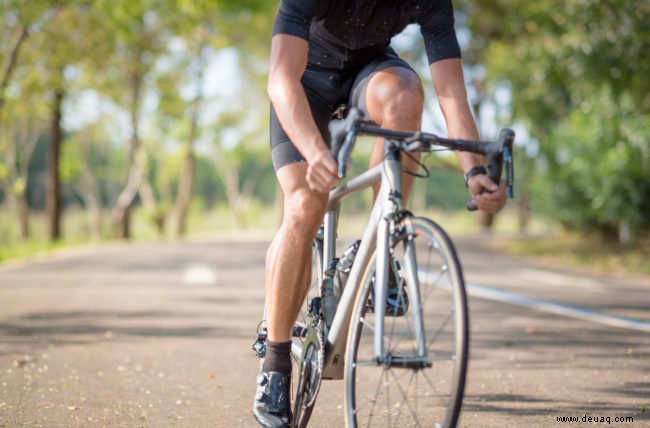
(510,171)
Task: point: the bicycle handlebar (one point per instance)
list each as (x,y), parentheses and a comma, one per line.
(499,154)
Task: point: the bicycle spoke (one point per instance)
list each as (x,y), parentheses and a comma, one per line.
(433,287)
(408,400)
(386,336)
(413,414)
(392,331)
(386,385)
(399,412)
(439,331)
(374,400)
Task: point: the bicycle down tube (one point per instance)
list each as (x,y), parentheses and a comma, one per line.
(375,238)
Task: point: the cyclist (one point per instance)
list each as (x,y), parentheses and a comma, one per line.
(325,53)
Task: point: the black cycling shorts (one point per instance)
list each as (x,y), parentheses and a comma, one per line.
(326,90)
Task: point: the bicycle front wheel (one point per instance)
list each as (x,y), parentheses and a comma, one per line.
(417,383)
(305,380)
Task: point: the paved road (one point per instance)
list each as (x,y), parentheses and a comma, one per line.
(158,335)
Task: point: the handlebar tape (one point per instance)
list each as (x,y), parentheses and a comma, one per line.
(343,135)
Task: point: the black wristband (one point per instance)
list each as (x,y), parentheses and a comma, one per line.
(481,169)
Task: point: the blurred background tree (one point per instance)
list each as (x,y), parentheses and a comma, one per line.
(578,74)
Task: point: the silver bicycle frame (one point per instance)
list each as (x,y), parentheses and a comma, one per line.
(376,235)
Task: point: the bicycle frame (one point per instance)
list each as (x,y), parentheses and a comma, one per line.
(376,235)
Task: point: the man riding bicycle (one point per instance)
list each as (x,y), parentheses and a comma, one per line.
(325,53)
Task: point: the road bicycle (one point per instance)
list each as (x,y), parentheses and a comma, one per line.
(390,315)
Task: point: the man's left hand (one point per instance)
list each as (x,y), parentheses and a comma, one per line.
(493,199)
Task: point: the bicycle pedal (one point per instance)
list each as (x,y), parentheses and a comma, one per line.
(259,346)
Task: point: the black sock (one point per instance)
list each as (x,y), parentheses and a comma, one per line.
(278,357)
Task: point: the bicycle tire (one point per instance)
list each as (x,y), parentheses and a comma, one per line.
(446,318)
(301,410)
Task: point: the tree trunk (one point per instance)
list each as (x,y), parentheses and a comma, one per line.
(238,195)
(485,220)
(11,63)
(94,210)
(23,215)
(53,196)
(17,158)
(184,196)
(91,201)
(185,191)
(523,213)
(122,209)
(625,236)
(125,223)
(148,198)
(231,181)
(90,188)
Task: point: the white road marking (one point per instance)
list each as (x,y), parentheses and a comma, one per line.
(548,306)
(555,279)
(557,308)
(199,275)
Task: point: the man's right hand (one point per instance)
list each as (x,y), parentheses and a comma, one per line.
(322,172)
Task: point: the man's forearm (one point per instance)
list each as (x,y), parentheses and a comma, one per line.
(460,124)
(447,76)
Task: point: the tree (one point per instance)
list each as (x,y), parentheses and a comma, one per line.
(61,48)
(137,31)
(20,128)
(578,73)
(19,20)
(18,141)
(202,38)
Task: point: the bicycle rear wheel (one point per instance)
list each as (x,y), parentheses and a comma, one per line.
(406,389)
(303,344)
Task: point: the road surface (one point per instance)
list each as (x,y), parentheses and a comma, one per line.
(159,335)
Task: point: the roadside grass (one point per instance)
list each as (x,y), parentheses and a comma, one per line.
(543,240)
(76,231)
(12,246)
(579,251)
(257,223)
(455,223)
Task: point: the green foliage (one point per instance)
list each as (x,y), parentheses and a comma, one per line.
(70,164)
(602,174)
(207,182)
(578,71)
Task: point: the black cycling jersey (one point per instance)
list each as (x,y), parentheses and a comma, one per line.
(345,34)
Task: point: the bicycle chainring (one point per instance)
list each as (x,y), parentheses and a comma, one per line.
(310,376)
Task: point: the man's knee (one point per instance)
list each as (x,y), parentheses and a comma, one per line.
(304,210)
(394,96)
